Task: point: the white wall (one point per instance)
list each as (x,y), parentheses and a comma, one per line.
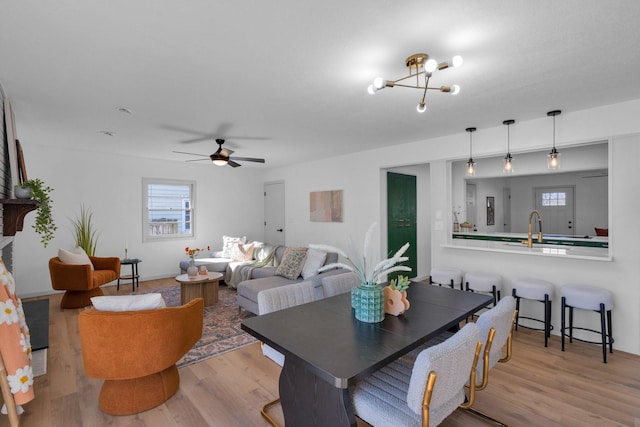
(228,201)
(359,175)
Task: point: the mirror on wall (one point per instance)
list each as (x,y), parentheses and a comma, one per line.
(573,201)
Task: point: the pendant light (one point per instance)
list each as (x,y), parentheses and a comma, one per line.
(553,159)
(507,165)
(471,165)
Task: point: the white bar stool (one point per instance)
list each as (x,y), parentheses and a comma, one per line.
(451,277)
(592,298)
(479,281)
(536,290)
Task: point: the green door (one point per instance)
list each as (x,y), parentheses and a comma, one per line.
(401,219)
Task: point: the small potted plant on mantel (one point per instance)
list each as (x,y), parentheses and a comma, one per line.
(36,189)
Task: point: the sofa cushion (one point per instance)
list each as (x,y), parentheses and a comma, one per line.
(315,259)
(249,289)
(227,244)
(242,251)
(76,256)
(128,302)
(292,263)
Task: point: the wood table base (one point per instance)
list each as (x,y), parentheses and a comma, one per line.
(311,401)
(205,287)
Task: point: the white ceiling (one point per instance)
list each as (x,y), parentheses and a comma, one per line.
(286,80)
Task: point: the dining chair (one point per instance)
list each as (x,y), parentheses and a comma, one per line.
(276,299)
(496,330)
(423,393)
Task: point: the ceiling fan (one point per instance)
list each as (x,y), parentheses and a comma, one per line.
(222,156)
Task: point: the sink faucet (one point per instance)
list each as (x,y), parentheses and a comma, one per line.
(529,241)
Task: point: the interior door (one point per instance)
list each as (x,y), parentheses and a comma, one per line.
(556,206)
(274,213)
(401,218)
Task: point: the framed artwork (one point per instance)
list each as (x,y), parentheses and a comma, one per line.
(12,149)
(22,167)
(491,210)
(325,206)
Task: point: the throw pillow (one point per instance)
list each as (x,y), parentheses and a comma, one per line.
(242,251)
(315,259)
(75,256)
(292,263)
(128,302)
(227,244)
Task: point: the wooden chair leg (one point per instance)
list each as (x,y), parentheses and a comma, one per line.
(7,396)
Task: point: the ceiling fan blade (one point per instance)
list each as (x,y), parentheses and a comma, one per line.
(233,164)
(196,160)
(192,154)
(248,159)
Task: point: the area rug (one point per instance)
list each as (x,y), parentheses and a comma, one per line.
(221,329)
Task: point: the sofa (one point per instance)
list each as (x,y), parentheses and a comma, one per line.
(215,261)
(274,274)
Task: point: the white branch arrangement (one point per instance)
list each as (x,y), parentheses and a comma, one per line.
(366,274)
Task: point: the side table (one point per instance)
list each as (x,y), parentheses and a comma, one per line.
(203,286)
(134,276)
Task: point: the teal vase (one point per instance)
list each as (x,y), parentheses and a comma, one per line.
(368,302)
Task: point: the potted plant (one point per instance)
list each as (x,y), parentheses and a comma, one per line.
(85,233)
(395,296)
(40,192)
(368,298)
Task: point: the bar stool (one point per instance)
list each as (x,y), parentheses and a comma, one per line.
(479,281)
(536,290)
(592,298)
(451,277)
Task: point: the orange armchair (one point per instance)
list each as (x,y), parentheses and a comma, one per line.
(135,352)
(81,282)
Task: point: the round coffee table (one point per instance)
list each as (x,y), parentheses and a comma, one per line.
(203,286)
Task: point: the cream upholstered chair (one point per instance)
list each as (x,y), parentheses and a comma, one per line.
(496,331)
(276,299)
(339,284)
(423,393)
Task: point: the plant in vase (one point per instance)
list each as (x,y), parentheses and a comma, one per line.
(368,298)
(84,231)
(395,296)
(192,270)
(37,190)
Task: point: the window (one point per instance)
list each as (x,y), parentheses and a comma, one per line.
(167,208)
(554,199)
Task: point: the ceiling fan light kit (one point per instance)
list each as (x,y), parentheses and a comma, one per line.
(223,157)
(420,65)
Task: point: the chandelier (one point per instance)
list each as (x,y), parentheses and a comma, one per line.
(421,67)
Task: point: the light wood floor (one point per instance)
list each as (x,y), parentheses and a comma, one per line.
(538,387)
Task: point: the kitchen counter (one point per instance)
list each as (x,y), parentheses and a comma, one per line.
(587,247)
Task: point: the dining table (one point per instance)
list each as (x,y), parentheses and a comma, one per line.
(327,349)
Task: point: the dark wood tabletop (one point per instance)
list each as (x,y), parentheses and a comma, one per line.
(325,339)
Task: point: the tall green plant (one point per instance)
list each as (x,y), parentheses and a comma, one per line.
(44,224)
(84,231)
